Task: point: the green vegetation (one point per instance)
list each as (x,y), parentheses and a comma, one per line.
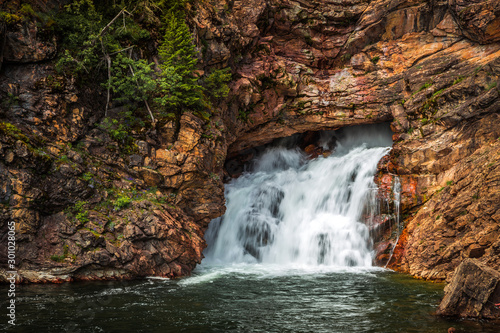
(375,59)
(11,100)
(243,115)
(216,83)
(107,42)
(63,160)
(14,13)
(122,202)
(87,176)
(132,81)
(178,83)
(459,79)
(11,130)
(78,212)
(82,215)
(449,183)
(61,257)
(120,131)
(436,94)
(424,86)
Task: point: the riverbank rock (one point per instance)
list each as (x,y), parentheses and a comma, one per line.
(472,293)
(430,67)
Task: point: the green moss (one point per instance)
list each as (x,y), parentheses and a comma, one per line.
(9,18)
(11,130)
(26,10)
(57,258)
(459,79)
(375,59)
(424,86)
(61,258)
(437,93)
(95,233)
(243,115)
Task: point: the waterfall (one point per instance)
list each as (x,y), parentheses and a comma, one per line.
(396,186)
(397,201)
(289,209)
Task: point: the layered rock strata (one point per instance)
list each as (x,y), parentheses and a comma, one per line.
(430,67)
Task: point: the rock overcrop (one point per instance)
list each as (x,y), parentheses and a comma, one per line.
(431,68)
(474,292)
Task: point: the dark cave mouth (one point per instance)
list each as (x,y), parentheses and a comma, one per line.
(312,144)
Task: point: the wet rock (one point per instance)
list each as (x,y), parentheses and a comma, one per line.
(298,66)
(474,292)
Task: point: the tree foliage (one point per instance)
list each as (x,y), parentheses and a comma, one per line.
(178,84)
(106,40)
(132,80)
(216,83)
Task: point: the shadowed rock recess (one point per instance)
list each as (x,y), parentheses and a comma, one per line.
(429,67)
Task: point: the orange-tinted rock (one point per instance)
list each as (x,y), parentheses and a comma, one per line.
(433,70)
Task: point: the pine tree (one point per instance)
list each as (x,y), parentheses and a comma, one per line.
(178,83)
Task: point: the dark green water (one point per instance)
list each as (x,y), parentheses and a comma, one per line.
(246,298)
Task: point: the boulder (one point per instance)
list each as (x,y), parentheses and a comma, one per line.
(474,292)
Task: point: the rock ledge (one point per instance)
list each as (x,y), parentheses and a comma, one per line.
(472,293)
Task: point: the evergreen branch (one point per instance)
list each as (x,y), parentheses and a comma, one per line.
(145,101)
(106,28)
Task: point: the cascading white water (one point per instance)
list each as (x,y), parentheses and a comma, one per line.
(291,210)
(397,203)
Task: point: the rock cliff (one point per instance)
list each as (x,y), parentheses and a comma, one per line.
(430,67)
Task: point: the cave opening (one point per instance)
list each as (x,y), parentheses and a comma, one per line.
(311,143)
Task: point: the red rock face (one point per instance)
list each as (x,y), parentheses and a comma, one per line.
(431,68)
